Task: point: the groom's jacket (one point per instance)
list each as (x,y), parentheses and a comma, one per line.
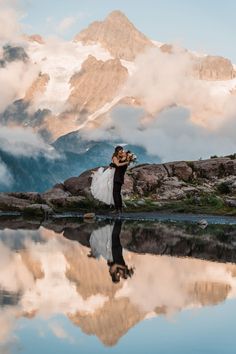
(119,173)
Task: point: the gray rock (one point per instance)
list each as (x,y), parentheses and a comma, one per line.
(231,202)
(202,223)
(179,169)
(8,203)
(38,210)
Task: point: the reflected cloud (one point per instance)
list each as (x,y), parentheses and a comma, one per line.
(59,331)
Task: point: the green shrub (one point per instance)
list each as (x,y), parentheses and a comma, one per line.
(223,188)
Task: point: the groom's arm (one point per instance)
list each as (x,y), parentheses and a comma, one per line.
(112,164)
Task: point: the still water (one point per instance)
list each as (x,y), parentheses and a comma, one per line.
(124,287)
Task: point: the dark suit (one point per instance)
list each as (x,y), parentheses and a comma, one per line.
(116,245)
(117,184)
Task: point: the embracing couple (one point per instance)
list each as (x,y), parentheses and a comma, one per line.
(107,183)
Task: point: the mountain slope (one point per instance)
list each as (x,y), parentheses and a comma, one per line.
(118,35)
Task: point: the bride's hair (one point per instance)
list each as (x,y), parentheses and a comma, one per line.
(117,149)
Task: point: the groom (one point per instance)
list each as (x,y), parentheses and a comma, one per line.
(120,169)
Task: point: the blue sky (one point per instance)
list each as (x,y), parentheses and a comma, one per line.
(202,25)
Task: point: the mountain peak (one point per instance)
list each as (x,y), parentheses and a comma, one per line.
(116,34)
(117,15)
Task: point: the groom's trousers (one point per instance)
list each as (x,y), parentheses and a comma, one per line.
(117,195)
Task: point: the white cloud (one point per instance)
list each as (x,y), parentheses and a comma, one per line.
(66,23)
(182,118)
(171,135)
(10,16)
(6,178)
(162,80)
(59,331)
(24,142)
(16,78)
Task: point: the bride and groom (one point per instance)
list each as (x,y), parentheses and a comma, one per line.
(107,183)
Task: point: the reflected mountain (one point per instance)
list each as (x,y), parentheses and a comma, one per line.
(48,272)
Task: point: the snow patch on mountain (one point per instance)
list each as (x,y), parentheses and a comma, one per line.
(61,60)
(104,109)
(130,66)
(221,87)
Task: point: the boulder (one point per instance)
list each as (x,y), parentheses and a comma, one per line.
(55,195)
(10,203)
(38,210)
(128,186)
(179,169)
(148,177)
(171,189)
(89,216)
(33,197)
(231,202)
(214,168)
(79,185)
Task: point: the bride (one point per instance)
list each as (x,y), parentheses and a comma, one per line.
(103,178)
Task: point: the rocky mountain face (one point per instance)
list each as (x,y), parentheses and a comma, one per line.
(96,84)
(118,35)
(214,68)
(86,77)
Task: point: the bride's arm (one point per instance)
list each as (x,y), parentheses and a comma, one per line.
(117,163)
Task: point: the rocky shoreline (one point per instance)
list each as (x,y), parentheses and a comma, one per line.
(181,239)
(203,186)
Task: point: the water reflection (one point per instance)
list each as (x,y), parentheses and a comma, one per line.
(105,242)
(45,274)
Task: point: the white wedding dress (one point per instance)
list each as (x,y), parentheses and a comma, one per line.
(102,185)
(101,242)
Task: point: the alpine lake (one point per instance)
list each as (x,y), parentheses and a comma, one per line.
(157,285)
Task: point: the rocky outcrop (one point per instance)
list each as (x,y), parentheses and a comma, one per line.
(118,35)
(96,84)
(214,68)
(167,48)
(37,88)
(208,67)
(213,180)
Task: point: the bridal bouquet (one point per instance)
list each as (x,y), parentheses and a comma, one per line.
(132,157)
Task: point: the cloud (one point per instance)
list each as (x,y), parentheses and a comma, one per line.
(6,178)
(16,78)
(157,278)
(59,331)
(8,341)
(24,142)
(171,134)
(14,276)
(66,24)
(163,80)
(182,117)
(10,16)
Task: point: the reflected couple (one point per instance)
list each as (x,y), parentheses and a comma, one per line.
(105,242)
